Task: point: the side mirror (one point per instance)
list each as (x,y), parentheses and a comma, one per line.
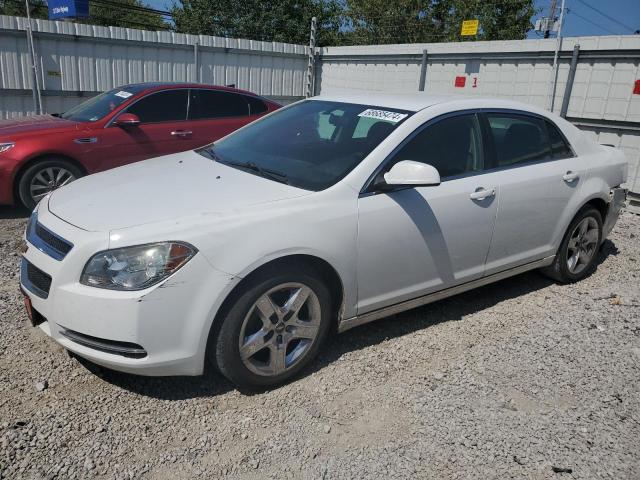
(127,120)
(408,173)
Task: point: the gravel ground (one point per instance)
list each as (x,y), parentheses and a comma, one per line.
(520,379)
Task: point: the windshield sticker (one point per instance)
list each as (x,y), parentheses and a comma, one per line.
(393,117)
(123,94)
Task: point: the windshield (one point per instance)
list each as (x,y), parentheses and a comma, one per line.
(310,145)
(98,107)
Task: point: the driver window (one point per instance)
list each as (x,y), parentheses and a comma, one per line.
(452,145)
(166,106)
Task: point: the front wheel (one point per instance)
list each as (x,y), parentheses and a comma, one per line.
(43,177)
(274,328)
(577,254)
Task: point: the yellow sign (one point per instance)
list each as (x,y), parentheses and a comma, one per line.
(469,27)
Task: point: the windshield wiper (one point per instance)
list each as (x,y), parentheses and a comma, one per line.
(251,166)
(263,172)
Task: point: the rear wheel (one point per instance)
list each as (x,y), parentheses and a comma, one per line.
(578,251)
(43,177)
(274,328)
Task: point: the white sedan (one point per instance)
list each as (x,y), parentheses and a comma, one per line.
(330,213)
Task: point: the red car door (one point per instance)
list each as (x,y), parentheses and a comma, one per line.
(163,129)
(216,113)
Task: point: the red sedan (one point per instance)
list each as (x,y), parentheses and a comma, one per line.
(124,125)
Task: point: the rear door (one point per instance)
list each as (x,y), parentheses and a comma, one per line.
(539,178)
(216,113)
(163,115)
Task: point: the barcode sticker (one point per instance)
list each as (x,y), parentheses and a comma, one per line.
(393,117)
(123,94)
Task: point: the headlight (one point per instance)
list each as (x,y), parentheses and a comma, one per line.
(136,268)
(6,146)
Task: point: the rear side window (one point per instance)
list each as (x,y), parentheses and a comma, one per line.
(559,147)
(207,104)
(452,145)
(518,139)
(256,106)
(167,106)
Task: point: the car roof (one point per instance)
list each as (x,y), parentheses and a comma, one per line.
(415,102)
(148,86)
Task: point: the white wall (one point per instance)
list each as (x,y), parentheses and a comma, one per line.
(517,69)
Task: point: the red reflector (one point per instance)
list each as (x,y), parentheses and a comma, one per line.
(636,88)
(27,306)
(460,82)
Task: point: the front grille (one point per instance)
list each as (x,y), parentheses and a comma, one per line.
(46,241)
(125,349)
(34,279)
(51,239)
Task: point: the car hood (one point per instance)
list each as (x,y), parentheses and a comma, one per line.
(164,188)
(34,124)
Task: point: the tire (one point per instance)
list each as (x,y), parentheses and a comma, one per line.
(579,249)
(43,177)
(258,345)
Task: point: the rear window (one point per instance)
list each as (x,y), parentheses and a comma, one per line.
(518,139)
(208,104)
(559,147)
(256,106)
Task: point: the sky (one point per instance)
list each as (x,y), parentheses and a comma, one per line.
(579,21)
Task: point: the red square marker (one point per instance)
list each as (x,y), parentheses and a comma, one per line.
(636,88)
(460,82)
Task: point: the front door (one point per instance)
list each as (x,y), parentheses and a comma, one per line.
(416,241)
(163,129)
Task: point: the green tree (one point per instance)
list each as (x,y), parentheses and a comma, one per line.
(354,22)
(119,13)
(412,21)
(277,20)
(17,8)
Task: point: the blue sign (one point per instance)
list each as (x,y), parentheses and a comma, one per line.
(68,8)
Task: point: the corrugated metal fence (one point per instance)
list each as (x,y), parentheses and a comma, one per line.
(76,61)
(600,100)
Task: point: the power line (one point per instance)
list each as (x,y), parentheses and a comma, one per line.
(138,8)
(591,22)
(606,16)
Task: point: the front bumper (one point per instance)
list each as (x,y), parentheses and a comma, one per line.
(168,323)
(617,199)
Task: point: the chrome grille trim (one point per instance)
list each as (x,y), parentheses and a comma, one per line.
(46,241)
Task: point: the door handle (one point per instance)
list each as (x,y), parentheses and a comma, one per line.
(181,133)
(481,194)
(570,177)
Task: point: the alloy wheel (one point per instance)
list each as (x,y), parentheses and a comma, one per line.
(583,245)
(280,329)
(47,180)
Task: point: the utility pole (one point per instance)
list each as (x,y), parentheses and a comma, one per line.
(553,78)
(35,88)
(551,18)
(308,91)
